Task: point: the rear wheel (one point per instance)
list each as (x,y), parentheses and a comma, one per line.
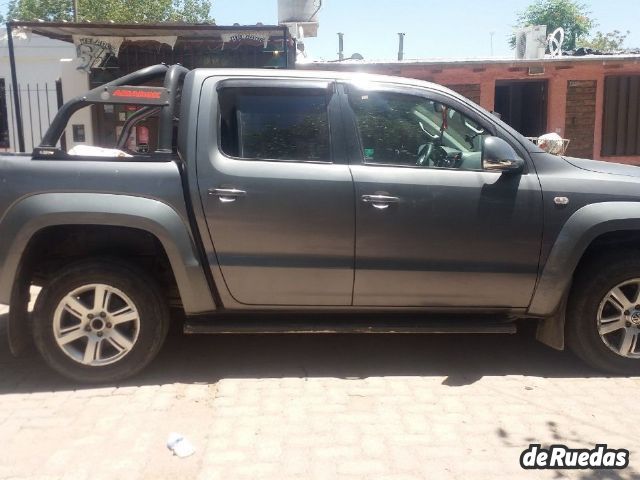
(603,322)
(100,321)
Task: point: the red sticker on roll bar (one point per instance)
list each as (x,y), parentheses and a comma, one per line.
(130,93)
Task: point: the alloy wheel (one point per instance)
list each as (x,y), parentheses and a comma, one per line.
(96,324)
(618,319)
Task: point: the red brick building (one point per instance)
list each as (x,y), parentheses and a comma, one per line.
(593,100)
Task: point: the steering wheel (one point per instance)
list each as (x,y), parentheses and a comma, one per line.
(424,154)
(440,158)
(437,156)
(426,150)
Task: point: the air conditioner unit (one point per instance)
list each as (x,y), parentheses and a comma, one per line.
(531,42)
(301,16)
(298,10)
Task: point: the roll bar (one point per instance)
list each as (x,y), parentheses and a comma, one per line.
(165,124)
(114,92)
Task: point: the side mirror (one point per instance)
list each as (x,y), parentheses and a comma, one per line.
(499,156)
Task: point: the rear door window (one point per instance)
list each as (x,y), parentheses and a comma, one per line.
(266,123)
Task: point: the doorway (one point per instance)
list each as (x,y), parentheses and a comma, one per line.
(523,105)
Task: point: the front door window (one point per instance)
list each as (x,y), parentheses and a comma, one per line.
(406,130)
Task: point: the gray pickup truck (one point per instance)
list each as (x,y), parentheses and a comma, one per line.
(278,201)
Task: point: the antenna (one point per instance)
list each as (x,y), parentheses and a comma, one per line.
(555,41)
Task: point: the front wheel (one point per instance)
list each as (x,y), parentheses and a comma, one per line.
(100,321)
(603,318)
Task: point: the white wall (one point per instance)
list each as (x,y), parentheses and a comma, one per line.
(37,63)
(75,83)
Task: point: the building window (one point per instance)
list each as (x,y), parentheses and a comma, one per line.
(288,124)
(621,123)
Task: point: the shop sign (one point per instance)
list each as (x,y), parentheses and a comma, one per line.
(252,38)
(94,52)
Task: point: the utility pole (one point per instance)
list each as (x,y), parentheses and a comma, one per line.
(16,88)
(491,34)
(75,11)
(340,46)
(400,46)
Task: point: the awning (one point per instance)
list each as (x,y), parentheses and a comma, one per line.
(66,30)
(96,43)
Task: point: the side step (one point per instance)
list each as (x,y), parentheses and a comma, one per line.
(252,325)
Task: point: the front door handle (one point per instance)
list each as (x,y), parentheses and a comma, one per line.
(380,201)
(226,195)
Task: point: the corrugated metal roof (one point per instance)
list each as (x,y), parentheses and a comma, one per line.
(480,61)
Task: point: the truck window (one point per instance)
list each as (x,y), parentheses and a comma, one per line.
(288,124)
(407,130)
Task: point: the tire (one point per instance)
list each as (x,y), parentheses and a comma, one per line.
(590,301)
(81,342)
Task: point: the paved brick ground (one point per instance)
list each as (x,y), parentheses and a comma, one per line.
(318,407)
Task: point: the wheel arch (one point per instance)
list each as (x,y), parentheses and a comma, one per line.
(586,233)
(33,215)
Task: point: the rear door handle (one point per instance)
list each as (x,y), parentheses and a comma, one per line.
(226,195)
(380,201)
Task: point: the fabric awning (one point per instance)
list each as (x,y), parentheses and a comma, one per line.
(65,31)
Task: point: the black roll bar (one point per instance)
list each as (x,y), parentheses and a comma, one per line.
(165,124)
(109,93)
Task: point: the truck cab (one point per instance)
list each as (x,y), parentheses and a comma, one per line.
(274,195)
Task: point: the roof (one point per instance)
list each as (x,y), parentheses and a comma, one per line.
(627,57)
(65,30)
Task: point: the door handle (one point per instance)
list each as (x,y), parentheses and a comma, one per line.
(380,201)
(226,195)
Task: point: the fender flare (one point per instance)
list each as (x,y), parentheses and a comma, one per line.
(584,226)
(31,214)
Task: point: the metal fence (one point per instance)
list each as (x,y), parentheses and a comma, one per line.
(38,104)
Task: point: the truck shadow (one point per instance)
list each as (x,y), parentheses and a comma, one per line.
(461,359)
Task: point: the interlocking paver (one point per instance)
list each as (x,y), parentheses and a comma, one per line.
(384,407)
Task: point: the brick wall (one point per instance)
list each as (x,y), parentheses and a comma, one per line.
(469,90)
(580,117)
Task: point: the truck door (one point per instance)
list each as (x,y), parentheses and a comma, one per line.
(276,190)
(433,228)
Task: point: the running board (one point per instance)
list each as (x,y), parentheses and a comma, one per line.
(252,326)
